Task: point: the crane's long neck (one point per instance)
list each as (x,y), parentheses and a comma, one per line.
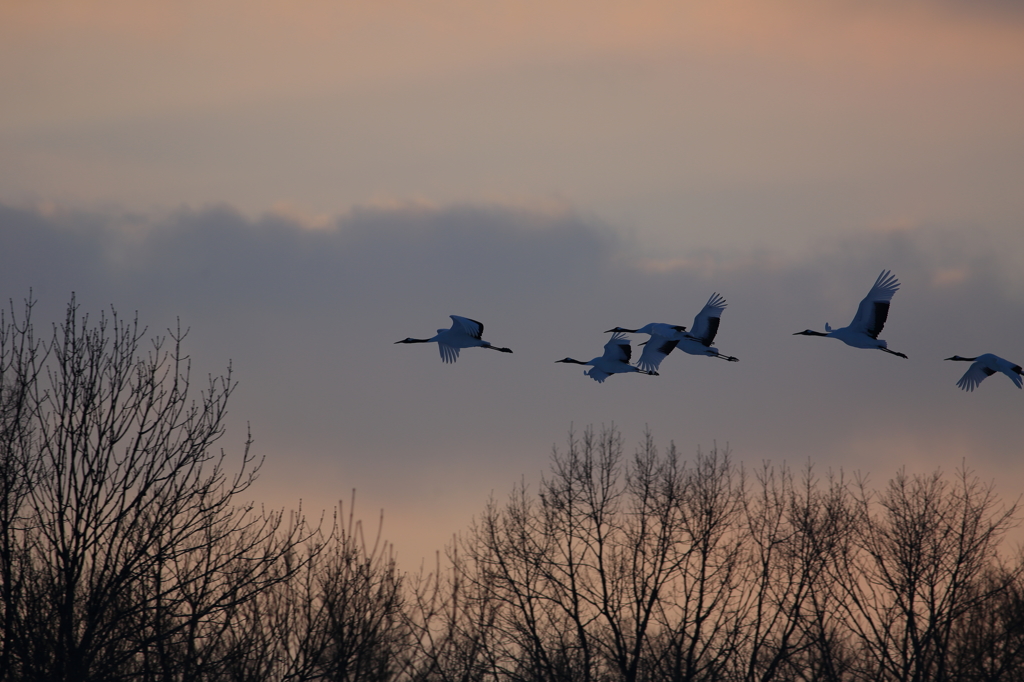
(577,362)
(410,340)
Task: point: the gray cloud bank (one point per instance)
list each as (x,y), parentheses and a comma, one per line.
(309,316)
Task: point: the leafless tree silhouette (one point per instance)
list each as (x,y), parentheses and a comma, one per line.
(916,564)
(125,548)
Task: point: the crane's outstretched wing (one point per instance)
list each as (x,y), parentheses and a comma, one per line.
(470,327)
(705,325)
(448,353)
(617,348)
(1011,370)
(656,349)
(874,309)
(974,375)
(597,375)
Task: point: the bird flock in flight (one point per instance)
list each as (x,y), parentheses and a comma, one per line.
(862,332)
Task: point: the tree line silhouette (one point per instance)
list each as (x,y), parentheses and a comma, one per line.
(127,552)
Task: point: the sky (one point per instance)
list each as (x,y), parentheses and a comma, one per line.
(303,184)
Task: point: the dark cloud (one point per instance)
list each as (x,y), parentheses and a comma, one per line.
(309,316)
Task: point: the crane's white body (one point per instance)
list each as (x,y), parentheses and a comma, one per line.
(464,333)
(615,360)
(870,318)
(985,366)
(667,337)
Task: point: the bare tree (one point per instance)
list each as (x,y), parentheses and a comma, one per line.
(548,565)
(988,642)
(700,609)
(916,568)
(337,616)
(655,569)
(19,368)
(129,549)
(793,529)
(360,591)
(451,618)
(616,570)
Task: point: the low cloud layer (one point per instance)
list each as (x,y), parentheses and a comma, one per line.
(309,315)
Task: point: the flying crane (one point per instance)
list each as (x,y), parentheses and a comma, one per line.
(615,360)
(870,318)
(985,366)
(464,333)
(667,337)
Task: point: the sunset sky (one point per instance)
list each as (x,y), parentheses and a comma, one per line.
(303,184)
